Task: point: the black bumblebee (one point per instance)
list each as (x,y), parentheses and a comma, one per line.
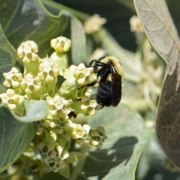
(109,72)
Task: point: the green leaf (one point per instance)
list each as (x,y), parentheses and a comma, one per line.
(65,172)
(29,20)
(35,111)
(160,29)
(15,137)
(167,125)
(119,156)
(7,55)
(78,38)
(163,36)
(76,107)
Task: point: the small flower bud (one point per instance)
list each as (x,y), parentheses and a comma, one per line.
(27,51)
(84,75)
(12,78)
(89,107)
(48,70)
(63,154)
(61,44)
(11,99)
(68,73)
(94,23)
(89,94)
(30,84)
(97,137)
(58,107)
(135,24)
(81,132)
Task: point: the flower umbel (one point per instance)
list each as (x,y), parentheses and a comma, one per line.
(58,129)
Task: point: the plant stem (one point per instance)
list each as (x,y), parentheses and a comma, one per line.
(77,169)
(140,105)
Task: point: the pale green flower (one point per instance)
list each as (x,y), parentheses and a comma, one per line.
(89,107)
(31,84)
(97,137)
(27,51)
(11,99)
(12,78)
(135,24)
(84,75)
(48,70)
(94,23)
(58,107)
(81,131)
(61,44)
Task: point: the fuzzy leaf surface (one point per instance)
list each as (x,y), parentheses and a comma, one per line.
(28,20)
(35,111)
(7,55)
(14,138)
(163,36)
(118,158)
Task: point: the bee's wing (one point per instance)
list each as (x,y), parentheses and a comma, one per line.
(115,89)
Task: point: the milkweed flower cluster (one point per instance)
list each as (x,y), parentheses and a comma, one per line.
(39,81)
(93,24)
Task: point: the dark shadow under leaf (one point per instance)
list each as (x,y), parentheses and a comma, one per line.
(100,162)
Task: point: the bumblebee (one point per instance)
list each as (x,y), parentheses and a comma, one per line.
(109,72)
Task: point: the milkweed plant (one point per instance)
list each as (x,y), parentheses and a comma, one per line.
(57,129)
(51,148)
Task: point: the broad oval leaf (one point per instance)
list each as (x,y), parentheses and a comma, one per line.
(29,20)
(163,36)
(160,29)
(14,138)
(35,111)
(168,119)
(127,136)
(8,55)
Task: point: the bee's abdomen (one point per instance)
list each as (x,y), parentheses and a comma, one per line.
(104,93)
